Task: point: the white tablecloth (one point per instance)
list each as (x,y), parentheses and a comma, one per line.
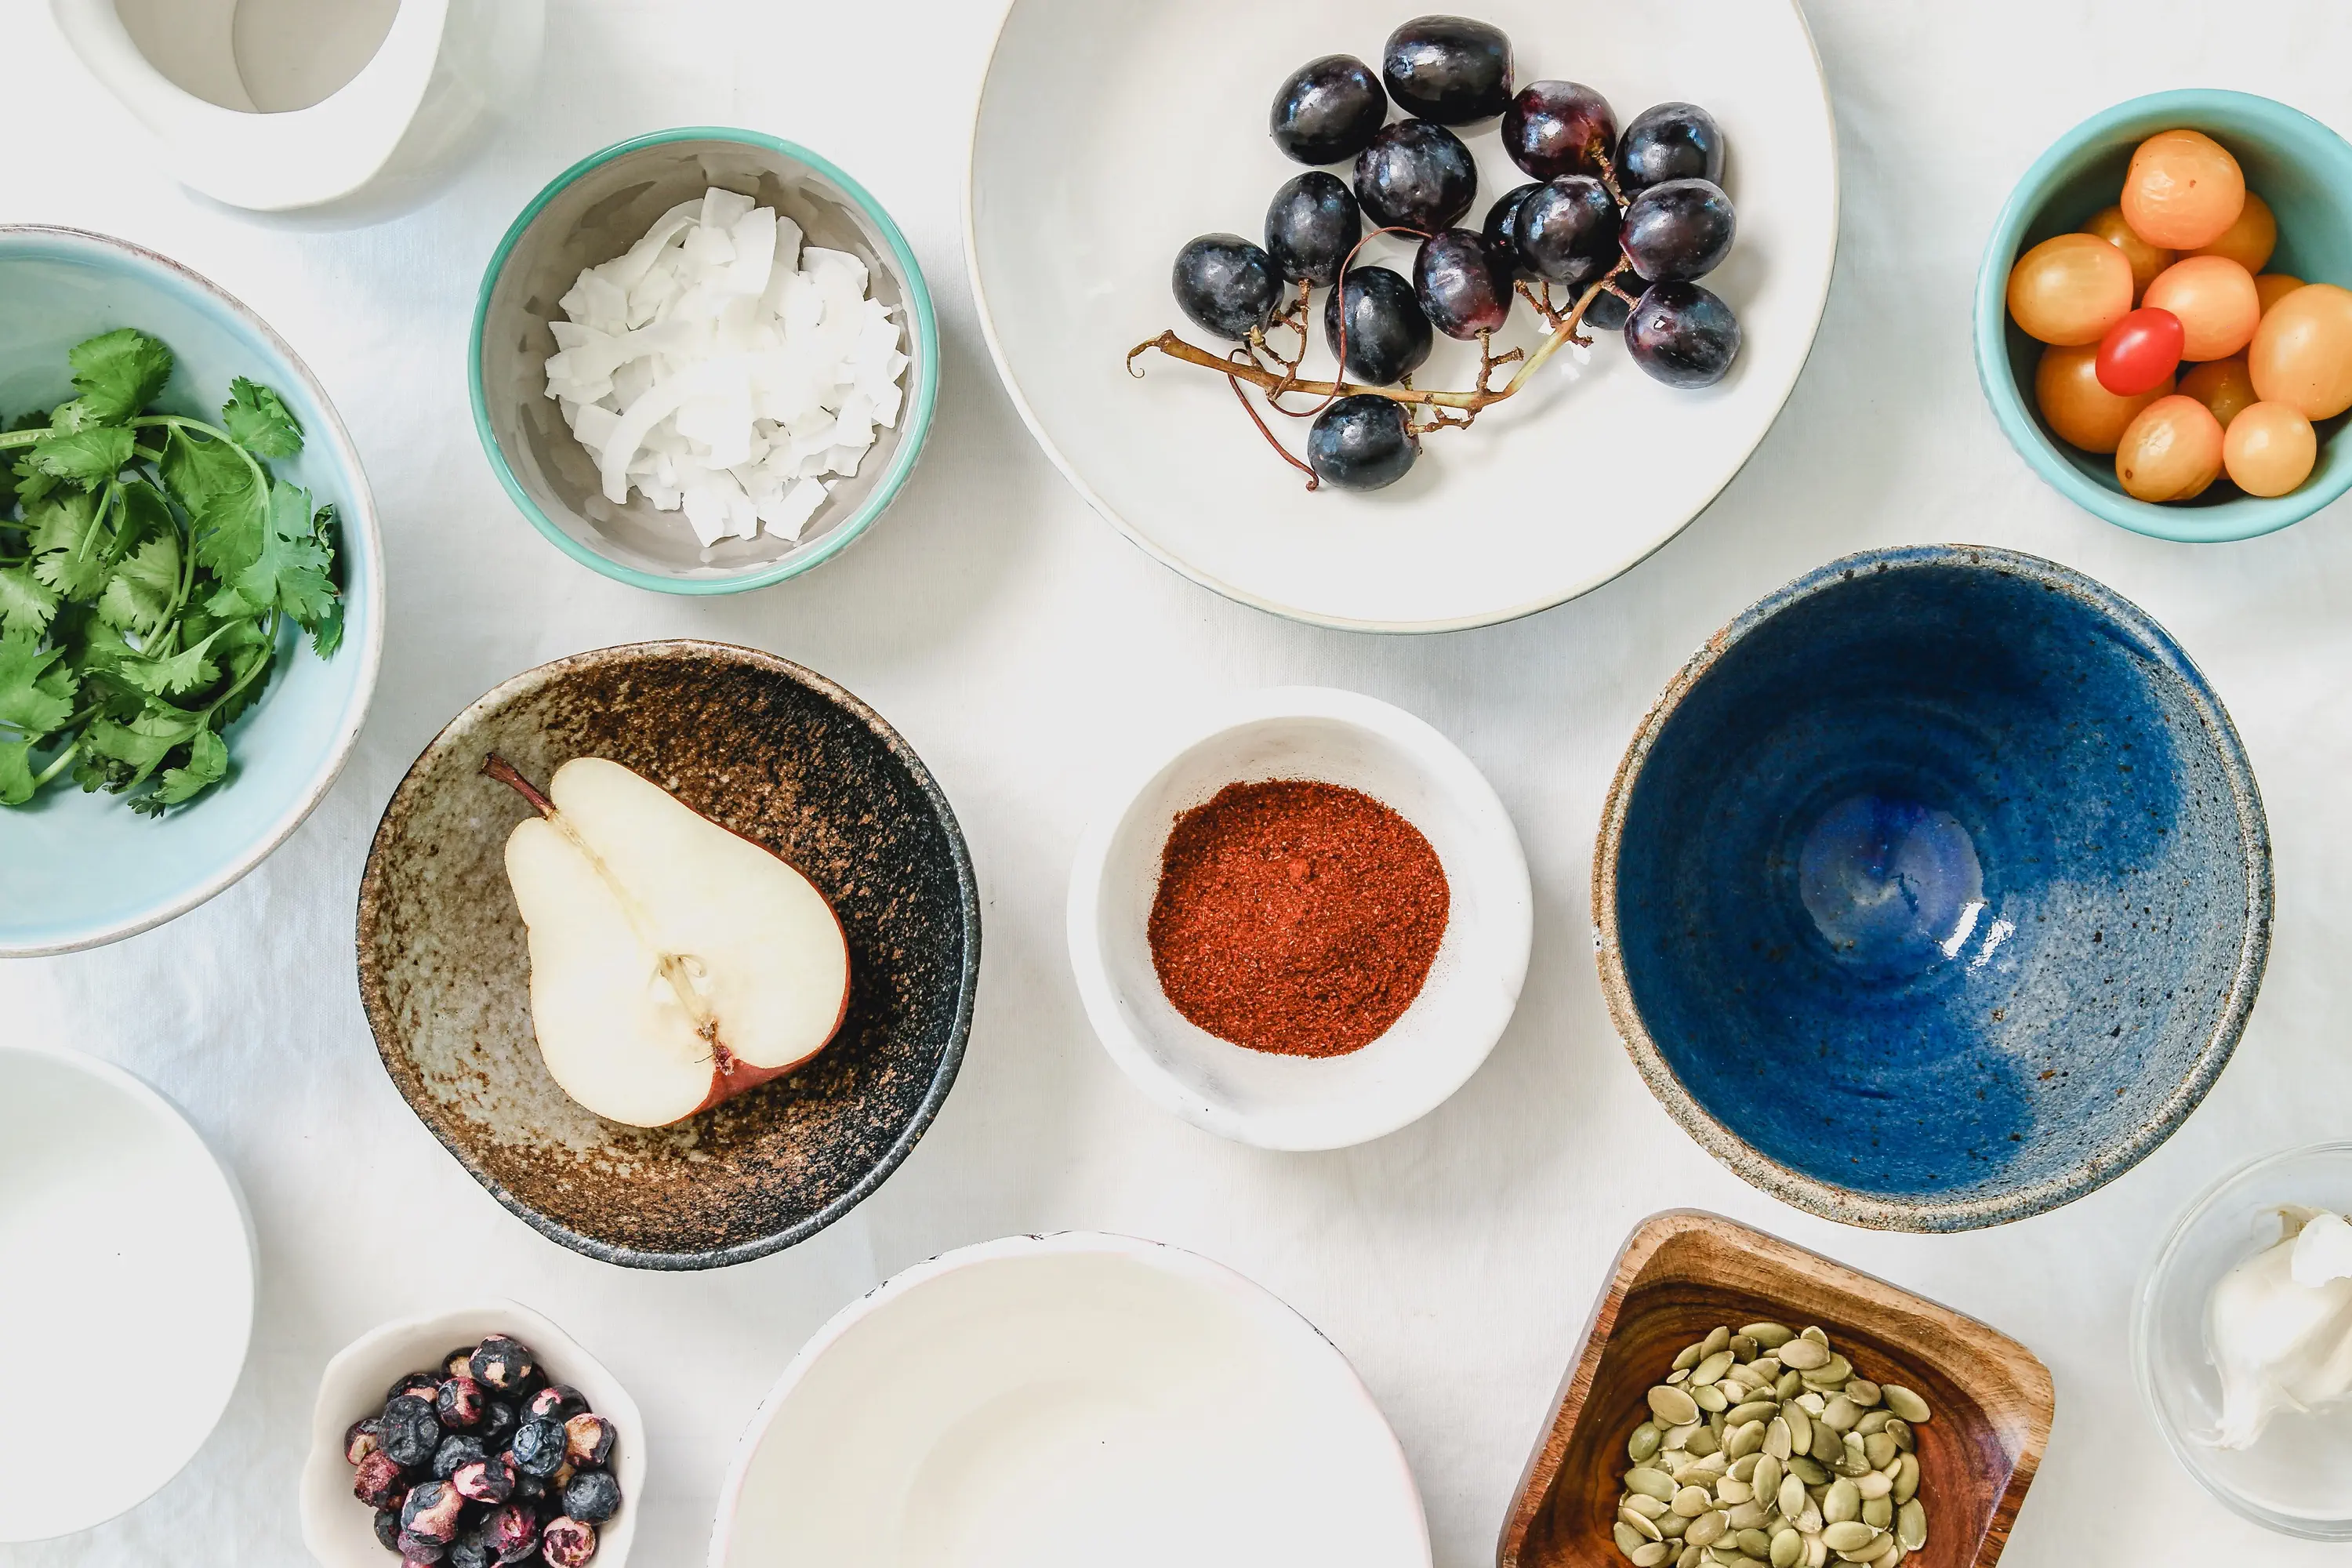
(1008,632)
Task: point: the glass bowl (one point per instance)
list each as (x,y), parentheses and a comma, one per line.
(2297,1479)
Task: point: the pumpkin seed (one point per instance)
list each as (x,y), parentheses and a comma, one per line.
(1728,1490)
(1900,1430)
(1801,1427)
(1671,1525)
(1755,1543)
(1805,1355)
(1690,1357)
(1841,1414)
(1673,1407)
(1691,1557)
(1742,1441)
(1643,1444)
(1911,1526)
(1827,1448)
(1862,1391)
(1764,1480)
(1792,1497)
(1754,1410)
(1713,1368)
(1649,1508)
(1640,1523)
(1692,1501)
(1629,1541)
(1710,1398)
(1745,1374)
(1744,1468)
(1789,1384)
(1812,1402)
(1906,1480)
(1748,1515)
(1678,1437)
(1843,1503)
(1777,1439)
(1879,1449)
(1743,1349)
(1771,1336)
(1849,1535)
(1903,1402)
(1706,1529)
(1873,1485)
(1650,1483)
(1814,1333)
(1679,1376)
(1717,1339)
(1808,1470)
(1876,1552)
(1872,1420)
(1650,1554)
(1787,1547)
(1703,1441)
(1835,1372)
(1817,1553)
(1877,1512)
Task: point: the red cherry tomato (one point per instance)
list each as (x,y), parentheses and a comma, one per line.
(2140,351)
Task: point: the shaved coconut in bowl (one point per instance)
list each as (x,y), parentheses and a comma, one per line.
(722,368)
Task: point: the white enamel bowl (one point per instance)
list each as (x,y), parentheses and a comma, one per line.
(1108,135)
(1298,1103)
(340,1532)
(1069,1402)
(126,1286)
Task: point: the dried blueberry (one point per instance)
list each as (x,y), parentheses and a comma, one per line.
(567,1543)
(556,1402)
(360,1439)
(387,1527)
(454,1452)
(588,1439)
(593,1497)
(499,1419)
(512,1532)
(504,1366)
(430,1512)
(460,1405)
(408,1431)
(379,1480)
(538,1447)
(491,1479)
(458,1363)
(472,1550)
(420,1385)
(529,1488)
(416,1550)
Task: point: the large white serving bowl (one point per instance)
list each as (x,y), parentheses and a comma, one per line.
(1111,131)
(126,1292)
(1069,1401)
(1303,1102)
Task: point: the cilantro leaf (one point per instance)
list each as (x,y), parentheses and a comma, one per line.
(141,744)
(257,419)
(119,375)
(139,596)
(176,676)
(58,521)
(26,604)
(327,635)
(76,556)
(16,773)
(87,457)
(227,508)
(207,764)
(290,571)
(30,701)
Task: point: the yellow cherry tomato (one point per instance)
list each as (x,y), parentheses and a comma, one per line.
(2273,287)
(2249,241)
(2183,190)
(2215,300)
(2302,353)
(2147,260)
(2171,451)
(2269,449)
(2224,386)
(2081,412)
(2070,289)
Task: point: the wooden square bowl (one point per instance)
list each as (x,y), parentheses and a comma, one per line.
(1682,1274)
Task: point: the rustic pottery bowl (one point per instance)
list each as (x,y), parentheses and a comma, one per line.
(339,1531)
(2303,169)
(1935,890)
(780,755)
(594,212)
(1683,1274)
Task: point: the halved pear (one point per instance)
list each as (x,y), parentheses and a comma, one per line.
(674,964)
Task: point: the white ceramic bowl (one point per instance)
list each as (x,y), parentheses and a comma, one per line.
(340,1532)
(1069,1401)
(126,1283)
(1295,1103)
(1109,135)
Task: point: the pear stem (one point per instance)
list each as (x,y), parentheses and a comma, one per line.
(498,767)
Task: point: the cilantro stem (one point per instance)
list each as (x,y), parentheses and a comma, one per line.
(25,438)
(258,665)
(181,422)
(58,765)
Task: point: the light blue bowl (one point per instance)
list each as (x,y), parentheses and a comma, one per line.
(594,212)
(2299,166)
(78,870)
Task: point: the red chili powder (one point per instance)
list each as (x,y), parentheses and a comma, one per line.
(1295,917)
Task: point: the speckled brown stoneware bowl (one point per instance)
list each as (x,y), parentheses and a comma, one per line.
(778,754)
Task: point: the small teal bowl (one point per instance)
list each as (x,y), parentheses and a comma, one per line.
(2299,166)
(594,212)
(1935,892)
(78,870)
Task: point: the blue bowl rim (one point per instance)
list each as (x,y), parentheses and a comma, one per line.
(2245,517)
(1878,1212)
(915,426)
(360,529)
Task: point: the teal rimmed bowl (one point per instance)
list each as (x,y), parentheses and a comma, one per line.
(2292,162)
(594,212)
(79,870)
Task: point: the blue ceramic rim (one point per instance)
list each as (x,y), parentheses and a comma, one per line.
(360,530)
(1939,1212)
(2247,517)
(916,428)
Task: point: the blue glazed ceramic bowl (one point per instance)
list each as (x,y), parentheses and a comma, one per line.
(596,210)
(77,870)
(1935,890)
(2292,162)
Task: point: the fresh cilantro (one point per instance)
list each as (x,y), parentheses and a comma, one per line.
(150,566)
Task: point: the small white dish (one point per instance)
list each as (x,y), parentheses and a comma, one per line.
(1106,136)
(1069,1402)
(1295,1103)
(126,1284)
(340,1531)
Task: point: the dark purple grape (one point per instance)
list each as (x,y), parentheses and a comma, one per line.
(1361,443)
(1388,336)
(1448,69)
(1567,230)
(1327,109)
(1502,239)
(1556,128)
(1311,226)
(1458,286)
(1610,308)
(1683,335)
(1669,141)
(1679,230)
(1416,176)
(1226,285)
